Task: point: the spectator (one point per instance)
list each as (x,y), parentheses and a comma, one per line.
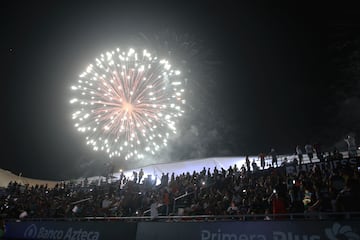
(284,162)
(166,201)
(295,162)
(163,179)
(348,198)
(323,201)
(267,218)
(154,210)
(336,184)
(352,148)
(273,155)
(232,209)
(243,169)
(278,203)
(135,176)
(141,174)
(247,161)
(336,154)
(319,153)
(262,160)
(308,199)
(299,154)
(248,192)
(254,166)
(309,151)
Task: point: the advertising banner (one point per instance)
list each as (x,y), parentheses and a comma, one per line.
(332,164)
(70,230)
(262,230)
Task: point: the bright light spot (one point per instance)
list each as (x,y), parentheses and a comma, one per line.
(125,96)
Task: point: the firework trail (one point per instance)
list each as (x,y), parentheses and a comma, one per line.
(128,103)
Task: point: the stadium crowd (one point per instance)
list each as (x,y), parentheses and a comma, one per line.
(317,186)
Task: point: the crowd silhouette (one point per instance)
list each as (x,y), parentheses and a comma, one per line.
(237,191)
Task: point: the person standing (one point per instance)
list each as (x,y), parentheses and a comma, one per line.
(247,161)
(243,169)
(254,166)
(299,154)
(135,176)
(154,214)
(350,141)
(309,151)
(347,200)
(319,153)
(262,160)
(279,205)
(273,157)
(141,174)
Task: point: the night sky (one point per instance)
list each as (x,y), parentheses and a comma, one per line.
(266,76)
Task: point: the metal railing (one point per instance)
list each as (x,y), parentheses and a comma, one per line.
(243,217)
(180,197)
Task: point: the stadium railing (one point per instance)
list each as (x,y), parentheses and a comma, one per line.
(243,217)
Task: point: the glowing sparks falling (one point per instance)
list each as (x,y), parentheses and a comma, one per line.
(128,103)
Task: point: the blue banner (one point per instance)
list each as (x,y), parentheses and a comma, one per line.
(202,230)
(261,230)
(70,230)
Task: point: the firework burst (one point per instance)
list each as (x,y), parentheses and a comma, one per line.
(128,103)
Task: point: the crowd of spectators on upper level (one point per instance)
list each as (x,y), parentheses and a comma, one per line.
(238,190)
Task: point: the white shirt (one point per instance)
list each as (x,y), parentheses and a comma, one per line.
(153,210)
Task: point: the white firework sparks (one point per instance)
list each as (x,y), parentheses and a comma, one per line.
(128,103)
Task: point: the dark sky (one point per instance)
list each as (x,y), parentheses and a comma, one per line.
(267,75)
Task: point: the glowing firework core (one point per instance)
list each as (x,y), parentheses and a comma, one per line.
(128,107)
(128,103)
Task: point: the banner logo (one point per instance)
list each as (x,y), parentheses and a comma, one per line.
(31,231)
(341,232)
